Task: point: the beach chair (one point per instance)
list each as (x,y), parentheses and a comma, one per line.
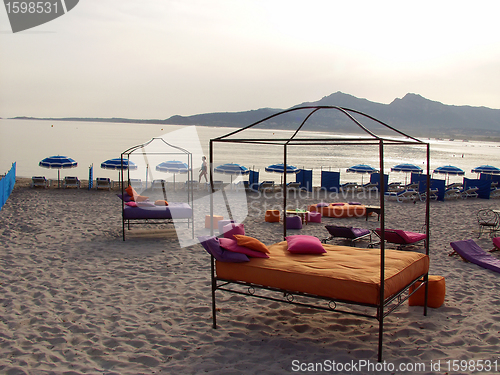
(403,196)
(470,251)
(136,183)
(495,193)
(349,186)
(39,181)
(470,193)
(369,187)
(488,221)
(266,186)
(348,233)
(293,186)
(401,238)
(433,195)
(191,185)
(452,193)
(71,182)
(103,183)
(394,186)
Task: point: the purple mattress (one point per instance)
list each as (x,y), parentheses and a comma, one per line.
(172,211)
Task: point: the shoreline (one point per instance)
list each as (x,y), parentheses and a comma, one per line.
(78,299)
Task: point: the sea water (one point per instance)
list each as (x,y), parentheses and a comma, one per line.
(27,142)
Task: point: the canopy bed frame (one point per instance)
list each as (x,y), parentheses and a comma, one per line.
(383,304)
(182,211)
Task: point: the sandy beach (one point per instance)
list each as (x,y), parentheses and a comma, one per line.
(76,299)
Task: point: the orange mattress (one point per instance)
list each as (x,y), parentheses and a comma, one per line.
(342,273)
(338,210)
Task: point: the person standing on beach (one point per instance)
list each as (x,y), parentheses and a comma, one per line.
(203,170)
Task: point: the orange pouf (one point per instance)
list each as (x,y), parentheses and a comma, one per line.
(343,210)
(215,220)
(272,216)
(435,298)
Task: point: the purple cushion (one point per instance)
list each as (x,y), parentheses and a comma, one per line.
(212,246)
(293,222)
(354,203)
(125,197)
(301,244)
(338,204)
(222,223)
(230,230)
(232,245)
(322,204)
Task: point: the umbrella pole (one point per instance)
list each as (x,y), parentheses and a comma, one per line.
(58,178)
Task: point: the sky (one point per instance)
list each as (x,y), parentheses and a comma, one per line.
(152,59)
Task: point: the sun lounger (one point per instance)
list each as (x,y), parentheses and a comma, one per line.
(433,194)
(403,196)
(39,181)
(496,244)
(293,186)
(71,182)
(401,238)
(470,193)
(348,233)
(471,252)
(136,183)
(452,193)
(349,186)
(266,186)
(102,183)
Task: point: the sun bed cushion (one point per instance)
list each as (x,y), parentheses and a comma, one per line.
(251,243)
(472,252)
(145,204)
(402,237)
(302,244)
(173,211)
(212,246)
(161,202)
(342,273)
(232,245)
(125,197)
(231,229)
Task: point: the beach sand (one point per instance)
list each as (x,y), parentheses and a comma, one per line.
(76,299)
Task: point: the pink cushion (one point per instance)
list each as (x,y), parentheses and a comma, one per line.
(131,204)
(412,237)
(222,224)
(496,242)
(314,217)
(302,244)
(230,230)
(232,245)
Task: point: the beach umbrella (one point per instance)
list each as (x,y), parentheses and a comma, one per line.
(58,162)
(362,169)
(280,168)
(232,169)
(173,166)
(118,164)
(407,168)
(486,169)
(449,170)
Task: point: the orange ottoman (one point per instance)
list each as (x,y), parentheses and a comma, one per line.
(215,221)
(272,216)
(435,298)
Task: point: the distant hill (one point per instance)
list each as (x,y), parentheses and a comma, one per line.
(412,114)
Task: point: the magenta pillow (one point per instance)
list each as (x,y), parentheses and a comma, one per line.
(230,230)
(131,204)
(232,245)
(212,246)
(302,244)
(338,204)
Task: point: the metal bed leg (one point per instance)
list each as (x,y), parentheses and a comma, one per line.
(380,332)
(214,286)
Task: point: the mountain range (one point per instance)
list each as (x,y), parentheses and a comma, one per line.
(412,114)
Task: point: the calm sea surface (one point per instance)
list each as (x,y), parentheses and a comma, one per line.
(26,142)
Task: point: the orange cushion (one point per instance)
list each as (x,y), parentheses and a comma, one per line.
(161,202)
(130,191)
(435,298)
(272,216)
(251,243)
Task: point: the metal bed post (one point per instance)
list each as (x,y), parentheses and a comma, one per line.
(427,225)
(285,193)
(382,252)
